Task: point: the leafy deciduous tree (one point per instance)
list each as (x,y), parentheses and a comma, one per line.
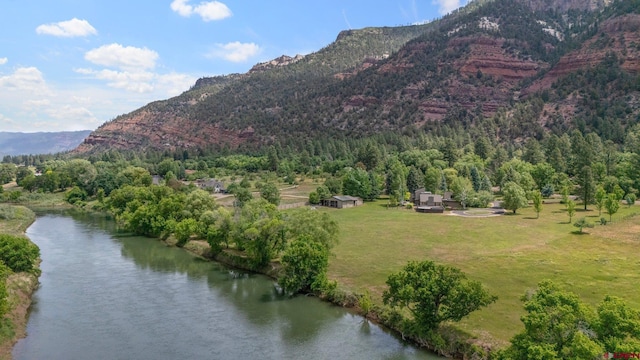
(536,198)
(514,196)
(305,263)
(434,293)
(611,204)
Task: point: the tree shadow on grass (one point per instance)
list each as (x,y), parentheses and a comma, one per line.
(578,232)
(530,218)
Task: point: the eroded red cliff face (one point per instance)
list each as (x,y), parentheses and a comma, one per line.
(161,131)
(620,36)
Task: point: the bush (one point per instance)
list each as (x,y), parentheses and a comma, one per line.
(75,195)
(314,198)
(547,191)
(7,212)
(18,253)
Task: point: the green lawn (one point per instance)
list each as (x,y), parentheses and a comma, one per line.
(510,254)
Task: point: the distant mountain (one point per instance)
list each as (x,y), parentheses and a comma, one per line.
(509,69)
(15,143)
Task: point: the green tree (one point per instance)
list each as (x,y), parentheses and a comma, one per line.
(197,202)
(18,253)
(618,325)
(432,179)
(434,293)
(514,196)
(313,225)
(582,223)
(314,198)
(133,175)
(585,180)
(356,182)
(222,229)
(536,198)
(75,195)
(462,190)
(415,179)
(242,195)
(323,192)
(184,229)
(571,209)
(21,173)
(611,204)
(272,159)
(269,191)
(630,199)
(556,327)
(304,266)
(542,174)
(261,231)
(334,185)
(599,198)
(7,173)
(450,151)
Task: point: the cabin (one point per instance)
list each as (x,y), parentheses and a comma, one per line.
(427,202)
(341,201)
(213,185)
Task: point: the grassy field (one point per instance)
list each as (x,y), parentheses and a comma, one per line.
(510,254)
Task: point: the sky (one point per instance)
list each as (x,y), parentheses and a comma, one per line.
(69,65)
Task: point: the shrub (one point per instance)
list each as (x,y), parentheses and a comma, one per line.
(75,195)
(18,253)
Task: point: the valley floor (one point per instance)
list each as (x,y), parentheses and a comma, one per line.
(510,254)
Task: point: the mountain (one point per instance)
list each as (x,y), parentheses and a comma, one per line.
(15,143)
(510,69)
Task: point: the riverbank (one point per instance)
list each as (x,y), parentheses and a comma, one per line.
(457,344)
(15,220)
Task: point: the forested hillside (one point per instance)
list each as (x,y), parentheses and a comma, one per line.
(505,70)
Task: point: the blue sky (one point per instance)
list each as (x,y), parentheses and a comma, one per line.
(75,64)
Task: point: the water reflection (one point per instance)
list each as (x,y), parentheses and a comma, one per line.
(108,295)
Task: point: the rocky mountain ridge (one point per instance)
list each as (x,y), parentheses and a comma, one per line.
(478,62)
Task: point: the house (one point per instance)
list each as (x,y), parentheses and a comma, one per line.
(428,199)
(426,202)
(210,184)
(341,201)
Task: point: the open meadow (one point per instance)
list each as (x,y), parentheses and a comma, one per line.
(510,254)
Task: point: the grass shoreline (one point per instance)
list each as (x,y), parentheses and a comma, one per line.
(20,287)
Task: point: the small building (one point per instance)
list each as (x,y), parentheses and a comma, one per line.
(211,185)
(427,202)
(341,201)
(428,199)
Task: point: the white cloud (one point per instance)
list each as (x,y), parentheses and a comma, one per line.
(70,112)
(143,81)
(3,60)
(208,10)
(69,28)
(116,55)
(175,84)
(135,81)
(235,51)
(447,6)
(24,79)
(37,103)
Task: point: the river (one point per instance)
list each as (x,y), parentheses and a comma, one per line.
(108,295)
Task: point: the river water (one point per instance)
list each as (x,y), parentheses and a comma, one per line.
(108,295)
